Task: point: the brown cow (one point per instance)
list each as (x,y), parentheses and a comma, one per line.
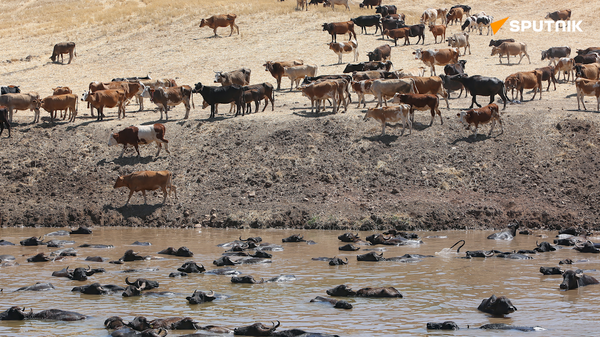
(511,48)
(454,15)
(61,90)
(109,98)
(165,97)
(147,181)
(335,28)
(361,88)
(29,101)
(66,102)
(548,75)
(398,33)
(320,91)
(431,85)
(390,114)
(587,87)
(433,57)
(566,65)
(563,15)
(525,80)
(140,134)
(438,30)
(589,71)
(277,69)
(222,20)
(341,48)
(481,115)
(420,102)
(63,48)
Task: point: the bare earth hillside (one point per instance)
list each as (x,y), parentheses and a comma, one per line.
(288,167)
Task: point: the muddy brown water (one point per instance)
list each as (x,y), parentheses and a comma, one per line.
(435,289)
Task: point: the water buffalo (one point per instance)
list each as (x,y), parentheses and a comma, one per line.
(32,241)
(130,255)
(139,323)
(293,238)
(96,259)
(349,248)
(82,230)
(99,246)
(256,239)
(544,247)
(478,253)
(175,323)
(256,329)
(40,257)
(504,326)
(191,267)
(349,237)
(201,297)
(98,289)
(507,234)
(6,243)
(261,254)
(586,247)
(371,256)
(39,286)
(341,290)
(178,274)
(565,261)
(223,271)
(16,313)
(249,279)
(336,261)
(142,283)
(336,303)
(514,256)
(379,292)
(575,279)
(448,325)
(138,243)
(551,270)
(114,322)
(224,261)
(78,274)
(182,251)
(497,306)
(58,233)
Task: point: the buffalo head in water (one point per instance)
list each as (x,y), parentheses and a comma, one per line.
(256,329)
(201,297)
(586,247)
(341,290)
(336,261)
(182,251)
(175,323)
(294,238)
(575,279)
(349,237)
(142,283)
(16,313)
(338,304)
(497,306)
(81,274)
(371,256)
(32,241)
(40,257)
(447,325)
(245,279)
(191,267)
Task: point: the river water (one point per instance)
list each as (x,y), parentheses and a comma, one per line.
(435,289)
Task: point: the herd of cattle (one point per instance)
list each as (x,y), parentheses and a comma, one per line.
(409,88)
(253,251)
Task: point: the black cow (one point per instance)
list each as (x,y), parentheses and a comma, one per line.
(417,30)
(497,43)
(294,237)
(551,270)
(365,21)
(336,261)
(482,86)
(10,89)
(380,53)
(447,325)
(259,92)
(451,85)
(587,58)
(555,53)
(455,68)
(224,94)
(349,237)
(386,10)
(370,3)
(349,248)
(497,306)
(256,329)
(182,251)
(32,241)
(588,50)
(4,120)
(575,279)
(336,303)
(18,314)
(201,297)
(389,23)
(191,267)
(586,247)
(544,247)
(466,9)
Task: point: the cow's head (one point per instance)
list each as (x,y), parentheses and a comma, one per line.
(495,51)
(197,88)
(326,26)
(85,95)
(268,66)
(120,182)
(113,139)
(463,118)
(418,54)
(203,23)
(220,77)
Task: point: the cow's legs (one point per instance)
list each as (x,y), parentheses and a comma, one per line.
(187,109)
(474,101)
(159,146)
(137,148)
(383,127)
(130,194)
(164,189)
(492,127)
(144,194)
(124,148)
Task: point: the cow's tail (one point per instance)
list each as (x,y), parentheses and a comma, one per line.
(414,87)
(192,99)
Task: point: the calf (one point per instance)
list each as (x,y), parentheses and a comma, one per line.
(566,65)
(223,20)
(67,102)
(481,116)
(450,85)
(397,34)
(106,99)
(335,28)
(341,48)
(277,69)
(555,53)
(438,30)
(548,75)
(563,15)
(497,43)
(390,114)
(147,181)
(296,73)
(431,85)
(214,95)
(511,48)
(166,97)
(589,71)
(262,91)
(140,134)
(365,21)
(525,80)
(420,102)
(4,120)
(484,21)
(587,87)
(381,53)
(460,40)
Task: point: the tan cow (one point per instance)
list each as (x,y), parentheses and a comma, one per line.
(587,87)
(29,101)
(222,20)
(525,80)
(566,65)
(332,3)
(390,114)
(297,73)
(384,89)
(320,91)
(429,17)
(459,40)
(66,102)
(301,4)
(341,48)
(63,48)
(511,48)
(61,90)
(433,57)
(455,15)
(166,97)
(431,85)
(147,181)
(418,71)
(277,69)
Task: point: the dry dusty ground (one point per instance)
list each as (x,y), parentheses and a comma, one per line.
(288,167)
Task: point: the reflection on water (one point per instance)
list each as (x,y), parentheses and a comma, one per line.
(435,289)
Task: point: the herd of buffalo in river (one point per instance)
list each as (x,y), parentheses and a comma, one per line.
(251,251)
